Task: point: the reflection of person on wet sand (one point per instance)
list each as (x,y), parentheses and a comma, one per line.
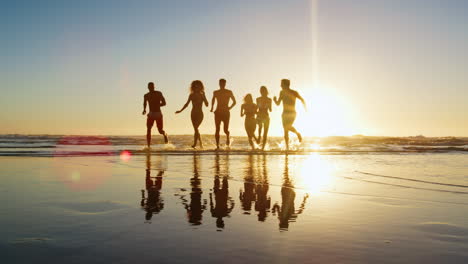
(288,97)
(155,99)
(223,204)
(196,207)
(287,212)
(247,196)
(153,203)
(262,201)
(197,97)
(222,114)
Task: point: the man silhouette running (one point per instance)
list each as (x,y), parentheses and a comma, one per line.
(222,114)
(288,97)
(155,99)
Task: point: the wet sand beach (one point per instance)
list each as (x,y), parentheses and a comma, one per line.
(367,208)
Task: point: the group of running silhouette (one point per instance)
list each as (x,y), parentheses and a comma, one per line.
(256,114)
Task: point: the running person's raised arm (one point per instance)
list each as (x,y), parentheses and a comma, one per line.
(185,105)
(145,100)
(278,100)
(233,100)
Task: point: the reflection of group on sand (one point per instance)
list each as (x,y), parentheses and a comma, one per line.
(256,114)
(256,187)
(256,191)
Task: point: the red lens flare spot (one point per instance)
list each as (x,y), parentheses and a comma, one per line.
(125,155)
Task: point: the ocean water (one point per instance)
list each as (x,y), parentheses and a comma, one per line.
(333,200)
(47,145)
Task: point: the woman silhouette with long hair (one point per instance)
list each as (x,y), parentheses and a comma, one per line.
(197,97)
(263,116)
(249,109)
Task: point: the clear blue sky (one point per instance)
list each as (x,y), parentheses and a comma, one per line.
(368,66)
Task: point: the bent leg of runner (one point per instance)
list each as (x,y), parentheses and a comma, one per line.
(159,124)
(299,136)
(226,118)
(292,118)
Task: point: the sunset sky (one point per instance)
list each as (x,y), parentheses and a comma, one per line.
(372,67)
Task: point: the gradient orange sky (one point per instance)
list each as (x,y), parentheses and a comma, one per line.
(390,68)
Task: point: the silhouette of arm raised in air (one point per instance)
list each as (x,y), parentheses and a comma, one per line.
(233,100)
(213,101)
(163,100)
(145,100)
(278,100)
(185,105)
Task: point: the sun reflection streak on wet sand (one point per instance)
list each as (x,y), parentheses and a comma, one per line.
(317,173)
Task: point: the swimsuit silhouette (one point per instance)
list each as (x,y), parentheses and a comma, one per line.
(288,97)
(222,114)
(249,109)
(263,116)
(155,99)
(198,98)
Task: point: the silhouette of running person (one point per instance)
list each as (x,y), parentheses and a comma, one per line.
(197,97)
(249,109)
(222,114)
(288,97)
(263,116)
(155,99)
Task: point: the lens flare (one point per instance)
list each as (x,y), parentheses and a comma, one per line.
(125,155)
